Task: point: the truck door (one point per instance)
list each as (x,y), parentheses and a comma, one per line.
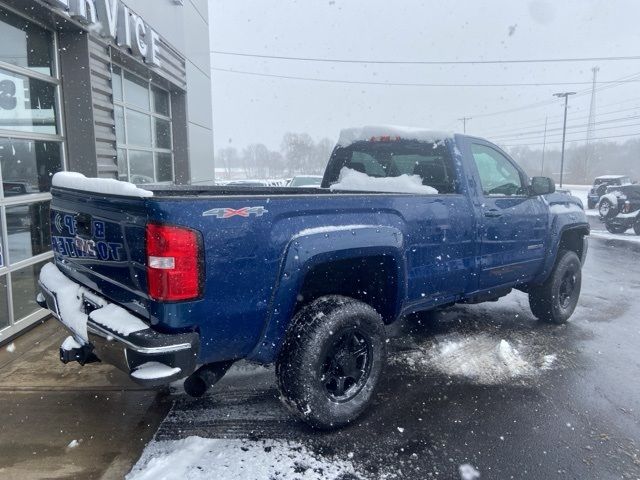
(513,223)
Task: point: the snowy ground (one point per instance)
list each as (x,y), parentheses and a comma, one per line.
(581,192)
(628,236)
(472,392)
(481,358)
(197,458)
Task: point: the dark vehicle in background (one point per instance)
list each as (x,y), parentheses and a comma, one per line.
(600,185)
(619,208)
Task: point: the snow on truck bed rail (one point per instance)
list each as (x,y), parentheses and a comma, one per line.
(353,180)
(108,186)
(358,134)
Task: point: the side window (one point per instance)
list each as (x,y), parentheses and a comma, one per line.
(498,175)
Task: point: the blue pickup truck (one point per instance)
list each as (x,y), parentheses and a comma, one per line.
(169,282)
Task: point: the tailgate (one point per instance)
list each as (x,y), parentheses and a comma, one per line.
(99,241)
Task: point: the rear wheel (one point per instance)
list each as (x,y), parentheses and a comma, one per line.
(636,227)
(555,300)
(331,361)
(607,209)
(612,228)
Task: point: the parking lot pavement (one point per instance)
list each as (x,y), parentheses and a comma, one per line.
(474,390)
(66,421)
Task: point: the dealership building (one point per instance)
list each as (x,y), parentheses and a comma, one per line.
(109,88)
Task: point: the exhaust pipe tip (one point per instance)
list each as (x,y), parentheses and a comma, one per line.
(197,384)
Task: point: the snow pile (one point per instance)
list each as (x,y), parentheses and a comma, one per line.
(354,180)
(467,472)
(480,358)
(201,458)
(109,186)
(69,344)
(117,319)
(358,134)
(73,444)
(69,297)
(153,370)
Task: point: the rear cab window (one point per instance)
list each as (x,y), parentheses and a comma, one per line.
(432,162)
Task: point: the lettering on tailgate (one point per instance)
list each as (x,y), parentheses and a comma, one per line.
(67,240)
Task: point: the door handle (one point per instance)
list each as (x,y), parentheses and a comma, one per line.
(493,213)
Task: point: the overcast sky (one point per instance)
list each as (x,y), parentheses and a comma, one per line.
(250,108)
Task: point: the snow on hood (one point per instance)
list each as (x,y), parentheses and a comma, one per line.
(353,180)
(357,134)
(109,186)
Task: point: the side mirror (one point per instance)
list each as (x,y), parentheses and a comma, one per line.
(542,186)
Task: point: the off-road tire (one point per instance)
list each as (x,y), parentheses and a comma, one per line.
(548,302)
(606,209)
(612,228)
(315,330)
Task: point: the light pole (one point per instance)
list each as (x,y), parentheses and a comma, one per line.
(464,123)
(544,144)
(564,128)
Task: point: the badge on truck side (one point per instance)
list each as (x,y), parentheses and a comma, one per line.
(232,212)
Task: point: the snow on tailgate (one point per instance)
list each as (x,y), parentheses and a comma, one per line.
(108,186)
(358,134)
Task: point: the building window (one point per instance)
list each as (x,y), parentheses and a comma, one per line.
(31,151)
(143,129)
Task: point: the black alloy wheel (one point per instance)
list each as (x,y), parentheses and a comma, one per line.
(346,366)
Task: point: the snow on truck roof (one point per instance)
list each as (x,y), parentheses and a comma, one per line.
(109,186)
(358,134)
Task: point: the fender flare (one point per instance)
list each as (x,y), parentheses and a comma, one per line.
(555,238)
(310,248)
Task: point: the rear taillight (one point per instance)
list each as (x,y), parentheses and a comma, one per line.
(174,263)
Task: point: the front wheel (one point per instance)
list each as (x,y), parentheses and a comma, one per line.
(331,361)
(555,300)
(636,227)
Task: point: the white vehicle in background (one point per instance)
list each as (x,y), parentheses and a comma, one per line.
(305,181)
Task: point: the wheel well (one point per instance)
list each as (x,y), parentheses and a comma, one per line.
(573,240)
(372,279)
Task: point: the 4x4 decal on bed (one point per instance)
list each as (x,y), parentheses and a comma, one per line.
(232,212)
